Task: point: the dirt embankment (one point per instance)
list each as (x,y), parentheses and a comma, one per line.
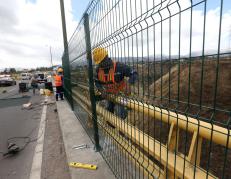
(194,88)
(196,83)
(182,89)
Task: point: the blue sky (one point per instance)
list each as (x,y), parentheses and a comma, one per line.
(78,7)
(212,4)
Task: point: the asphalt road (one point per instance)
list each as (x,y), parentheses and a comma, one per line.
(18,122)
(9,91)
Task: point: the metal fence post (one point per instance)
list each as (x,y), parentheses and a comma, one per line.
(65,61)
(91,82)
(66,86)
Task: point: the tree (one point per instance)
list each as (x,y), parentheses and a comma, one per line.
(6,71)
(12,70)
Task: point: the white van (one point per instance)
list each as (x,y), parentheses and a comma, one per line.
(25,76)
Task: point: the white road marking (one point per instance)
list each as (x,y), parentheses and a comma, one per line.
(35,172)
(12,90)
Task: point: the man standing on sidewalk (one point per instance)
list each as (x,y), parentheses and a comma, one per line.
(59,83)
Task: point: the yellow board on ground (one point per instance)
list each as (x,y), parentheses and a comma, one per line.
(82,165)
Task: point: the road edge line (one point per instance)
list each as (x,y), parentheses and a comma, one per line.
(36,167)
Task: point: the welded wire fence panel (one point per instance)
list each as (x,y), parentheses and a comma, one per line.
(79,75)
(162,85)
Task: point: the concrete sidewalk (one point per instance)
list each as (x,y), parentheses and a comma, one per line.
(74,134)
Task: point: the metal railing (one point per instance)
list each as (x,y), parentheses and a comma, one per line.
(178,112)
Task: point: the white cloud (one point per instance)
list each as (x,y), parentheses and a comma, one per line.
(126,12)
(29,29)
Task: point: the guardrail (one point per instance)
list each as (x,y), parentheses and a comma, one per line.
(177,113)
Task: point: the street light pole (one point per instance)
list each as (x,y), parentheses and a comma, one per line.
(51,58)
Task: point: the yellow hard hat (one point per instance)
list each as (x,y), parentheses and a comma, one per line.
(99,54)
(60,70)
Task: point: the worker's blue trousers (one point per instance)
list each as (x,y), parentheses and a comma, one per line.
(119,110)
(59,92)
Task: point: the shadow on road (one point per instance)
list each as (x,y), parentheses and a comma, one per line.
(17,101)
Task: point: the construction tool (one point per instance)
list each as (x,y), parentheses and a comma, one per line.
(82,146)
(82,165)
(12,149)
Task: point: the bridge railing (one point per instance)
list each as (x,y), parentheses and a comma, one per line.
(177,113)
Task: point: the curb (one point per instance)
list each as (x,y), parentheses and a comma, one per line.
(73,133)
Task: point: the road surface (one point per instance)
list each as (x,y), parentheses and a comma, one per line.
(10,90)
(18,122)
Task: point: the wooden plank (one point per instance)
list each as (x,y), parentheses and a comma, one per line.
(173,138)
(220,135)
(173,161)
(138,158)
(195,149)
(159,151)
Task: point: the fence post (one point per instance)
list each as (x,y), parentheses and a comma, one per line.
(65,60)
(91,82)
(67,88)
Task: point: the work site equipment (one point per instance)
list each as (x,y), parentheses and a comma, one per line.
(179,116)
(12,149)
(82,165)
(49,86)
(23,87)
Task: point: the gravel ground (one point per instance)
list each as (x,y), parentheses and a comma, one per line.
(54,157)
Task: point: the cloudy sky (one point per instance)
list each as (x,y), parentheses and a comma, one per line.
(147,44)
(30,27)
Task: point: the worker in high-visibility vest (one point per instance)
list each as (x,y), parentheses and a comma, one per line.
(59,84)
(109,79)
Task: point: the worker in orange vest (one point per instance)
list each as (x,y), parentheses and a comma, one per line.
(59,83)
(109,79)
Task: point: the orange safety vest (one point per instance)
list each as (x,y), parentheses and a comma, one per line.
(109,81)
(58,80)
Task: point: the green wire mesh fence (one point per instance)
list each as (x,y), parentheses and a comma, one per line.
(159,103)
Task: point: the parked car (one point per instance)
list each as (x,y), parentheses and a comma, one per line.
(41,77)
(7,80)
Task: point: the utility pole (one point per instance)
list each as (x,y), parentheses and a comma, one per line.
(64,26)
(229,38)
(51,58)
(65,60)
